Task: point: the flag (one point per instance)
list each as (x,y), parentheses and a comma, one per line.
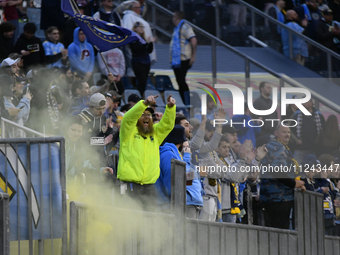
(102,35)
(45,190)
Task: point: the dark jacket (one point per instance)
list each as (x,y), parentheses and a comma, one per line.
(7,47)
(140,52)
(325,37)
(34,45)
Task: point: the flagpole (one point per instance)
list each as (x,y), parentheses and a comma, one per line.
(75,6)
(107,67)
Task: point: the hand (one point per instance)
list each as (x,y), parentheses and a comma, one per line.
(28,95)
(150,100)
(109,123)
(64,53)
(204,119)
(171,101)
(220,114)
(186,147)
(298,142)
(261,152)
(303,188)
(192,60)
(250,156)
(25,52)
(304,23)
(299,184)
(117,78)
(111,77)
(108,139)
(152,39)
(107,170)
(13,112)
(242,152)
(325,189)
(248,144)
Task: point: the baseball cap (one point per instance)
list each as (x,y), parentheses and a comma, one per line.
(229,129)
(133,98)
(97,100)
(9,61)
(150,110)
(113,94)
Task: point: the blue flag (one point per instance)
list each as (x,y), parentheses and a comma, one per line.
(104,36)
(45,190)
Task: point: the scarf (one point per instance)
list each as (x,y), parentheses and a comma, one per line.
(290,154)
(176,46)
(280,17)
(299,121)
(307,12)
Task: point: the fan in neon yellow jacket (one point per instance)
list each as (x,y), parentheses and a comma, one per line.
(140,140)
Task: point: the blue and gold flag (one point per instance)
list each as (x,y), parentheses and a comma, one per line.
(102,35)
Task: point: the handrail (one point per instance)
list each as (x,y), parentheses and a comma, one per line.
(248,59)
(282,25)
(26,129)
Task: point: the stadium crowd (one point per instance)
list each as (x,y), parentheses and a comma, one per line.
(46,87)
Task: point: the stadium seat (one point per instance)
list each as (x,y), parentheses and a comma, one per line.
(96,77)
(176,96)
(149,84)
(192,98)
(128,92)
(159,100)
(126,83)
(163,82)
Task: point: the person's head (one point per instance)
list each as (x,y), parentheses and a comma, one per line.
(133,99)
(112,99)
(265,89)
(107,4)
(282,133)
(15,56)
(125,108)
(82,4)
(29,30)
(7,29)
(80,89)
(97,104)
(209,131)
(10,65)
(68,75)
(53,34)
(182,120)
(309,105)
(210,104)
(81,36)
(328,15)
(223,147)
(73,128)
(280,3)
(18,87)
(236,147)
(292,15)
(176,137)
(145,123)
(136,7)
(177,17)
(231,133)
(310,162)
(326,162)
(138,28)
(6,84)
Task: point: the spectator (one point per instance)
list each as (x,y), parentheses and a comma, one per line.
(309,10)
(182,50)
(56,54)
(12,112)
(112,102)
(81,95)
(182,120)
(246,131)
(97,130)
(211,111)
(140,57)
(328,32)
(116,63)
(308,163)
(125,108)
(300,48)
(10,66)
(71,25)
(19,71)
(277,194)
(107,13)
(22,103)
(138,166)
(278,13)
(11,13)
(132,16)
(334,5)
(81,55)
(133,99)
(30,47)
(265,103)
(328,140)
(307,130)
(6,34)
(238,13)
(126,5)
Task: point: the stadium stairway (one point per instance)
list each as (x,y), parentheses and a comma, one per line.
(229,62)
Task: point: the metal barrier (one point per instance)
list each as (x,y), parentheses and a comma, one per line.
(249,62)
(157,233)
(32,172)
(4,223)
(14,126)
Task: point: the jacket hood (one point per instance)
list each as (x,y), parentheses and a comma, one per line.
(76,38)
(168,147)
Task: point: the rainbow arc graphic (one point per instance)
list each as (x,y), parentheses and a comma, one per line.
(208,92)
